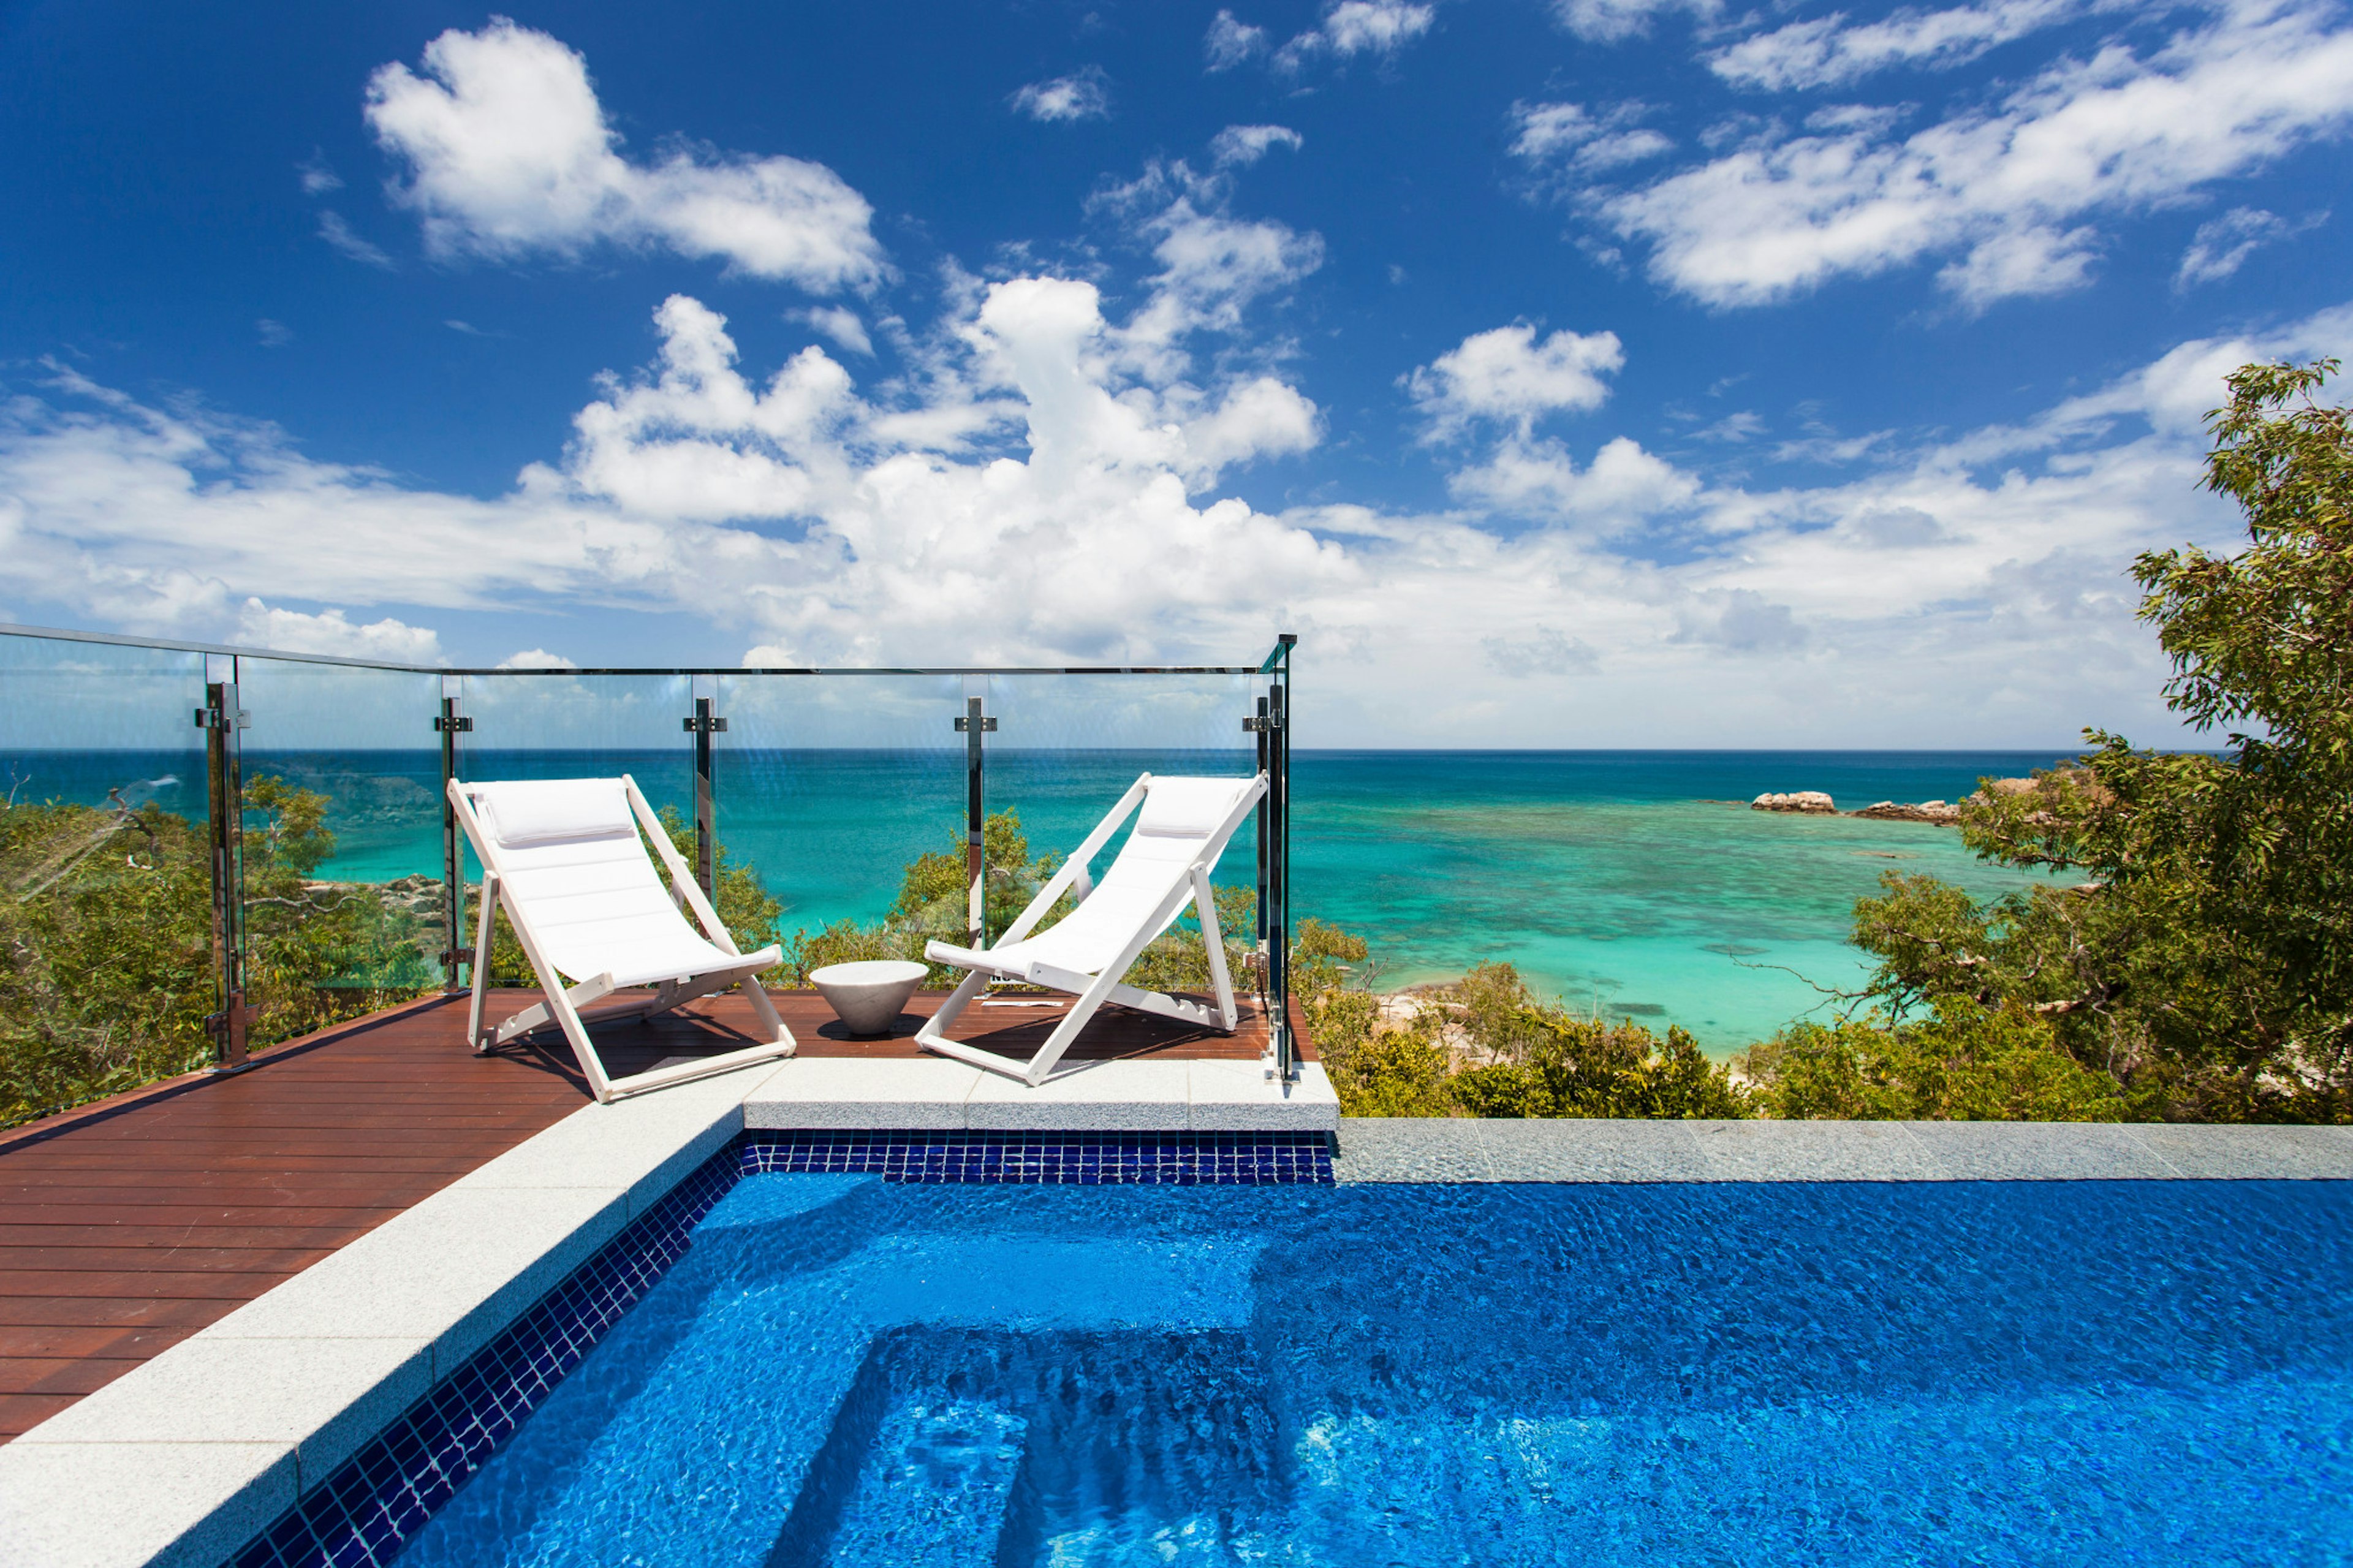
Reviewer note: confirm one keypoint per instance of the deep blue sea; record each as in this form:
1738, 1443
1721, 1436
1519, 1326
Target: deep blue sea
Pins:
1635, 883
843, 1371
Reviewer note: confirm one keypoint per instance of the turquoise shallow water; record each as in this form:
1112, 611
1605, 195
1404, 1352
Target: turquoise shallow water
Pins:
1633, 882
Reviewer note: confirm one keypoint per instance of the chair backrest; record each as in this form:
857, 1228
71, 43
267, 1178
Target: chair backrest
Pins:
1182, 820
568, 855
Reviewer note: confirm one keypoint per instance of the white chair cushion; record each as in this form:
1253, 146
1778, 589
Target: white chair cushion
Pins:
1187, 808
541, 811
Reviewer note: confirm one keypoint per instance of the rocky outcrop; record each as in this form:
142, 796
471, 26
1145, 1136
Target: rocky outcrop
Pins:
1812, 802
1945, 812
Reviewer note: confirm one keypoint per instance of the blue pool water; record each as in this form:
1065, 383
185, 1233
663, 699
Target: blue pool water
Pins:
848, 1372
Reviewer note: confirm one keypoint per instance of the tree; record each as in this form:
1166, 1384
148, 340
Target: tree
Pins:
2204, 964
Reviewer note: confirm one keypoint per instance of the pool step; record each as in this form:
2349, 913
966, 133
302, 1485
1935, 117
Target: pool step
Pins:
932, 1493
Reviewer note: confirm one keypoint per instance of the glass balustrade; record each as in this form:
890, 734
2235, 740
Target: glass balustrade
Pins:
210, 851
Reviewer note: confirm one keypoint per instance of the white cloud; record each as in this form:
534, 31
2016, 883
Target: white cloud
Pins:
1608, 21
2009, 187
1967, 590
1356, 28
1571, 135
1238, 146
1083, 95
1622, 489
2222, 246
1547, 650
508, 155
839, 324
1507, 376
1214, 265
537, 658
338, 232
333, 632
317, 175
273, 334
1828, 51
1260, 418
1229, 42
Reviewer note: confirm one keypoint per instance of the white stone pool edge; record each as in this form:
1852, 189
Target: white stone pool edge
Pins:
183, 1460
1466, 1150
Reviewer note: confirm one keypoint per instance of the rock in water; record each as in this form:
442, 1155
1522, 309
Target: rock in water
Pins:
1938, 811
1812, 801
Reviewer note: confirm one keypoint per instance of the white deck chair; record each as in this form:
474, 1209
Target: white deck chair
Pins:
563, 856
1163, 865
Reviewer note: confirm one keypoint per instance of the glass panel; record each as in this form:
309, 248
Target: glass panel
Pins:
78, 720
342, 854
106, 872
829, 787
528, 725
1068, 746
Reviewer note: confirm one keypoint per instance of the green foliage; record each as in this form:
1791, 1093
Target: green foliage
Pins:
2204, 968
1962, 1062
1541, 1060
106, 926
1487, 1048
1391, 1072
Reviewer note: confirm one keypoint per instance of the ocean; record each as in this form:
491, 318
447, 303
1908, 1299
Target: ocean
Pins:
1636, 884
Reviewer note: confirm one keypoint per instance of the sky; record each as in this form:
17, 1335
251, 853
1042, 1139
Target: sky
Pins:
1564, 372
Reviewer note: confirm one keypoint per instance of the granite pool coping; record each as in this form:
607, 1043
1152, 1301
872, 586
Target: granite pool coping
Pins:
1464, 1148
183, 1460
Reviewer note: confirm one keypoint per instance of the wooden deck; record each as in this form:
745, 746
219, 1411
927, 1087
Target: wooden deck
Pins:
128, 1226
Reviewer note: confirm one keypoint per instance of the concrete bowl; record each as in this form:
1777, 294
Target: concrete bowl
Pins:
867, 997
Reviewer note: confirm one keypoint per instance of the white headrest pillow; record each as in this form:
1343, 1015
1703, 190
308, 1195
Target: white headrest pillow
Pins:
1188, 809
540, 811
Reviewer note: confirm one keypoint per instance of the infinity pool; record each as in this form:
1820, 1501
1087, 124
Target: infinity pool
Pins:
850, 1372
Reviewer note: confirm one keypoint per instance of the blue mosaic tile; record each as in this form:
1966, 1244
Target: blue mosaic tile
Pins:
364, 1513
1181, 1159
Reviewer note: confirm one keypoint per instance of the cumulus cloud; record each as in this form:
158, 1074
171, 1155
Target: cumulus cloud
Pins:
508, 155
1214, 265
1084, 94
1238, 146
1230, 42
1829, 51
1622, 489
839, 324
537, 658
1963, 590
1508, 376
2014, 188
1357, 28
333, 632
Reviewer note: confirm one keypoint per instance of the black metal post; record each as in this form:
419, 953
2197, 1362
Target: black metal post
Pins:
974, 724
702, 725
1278, 812
1265, 843
221, 719
450, 724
